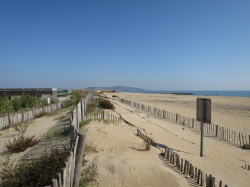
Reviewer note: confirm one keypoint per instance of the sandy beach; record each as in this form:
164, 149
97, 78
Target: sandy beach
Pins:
230, 112
120, 161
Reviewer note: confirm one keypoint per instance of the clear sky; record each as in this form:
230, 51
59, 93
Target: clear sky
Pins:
151, 44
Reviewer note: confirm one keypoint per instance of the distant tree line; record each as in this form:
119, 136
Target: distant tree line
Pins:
19, 103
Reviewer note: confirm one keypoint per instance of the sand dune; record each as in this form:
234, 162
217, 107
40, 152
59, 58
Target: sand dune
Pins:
224, 161
121, 160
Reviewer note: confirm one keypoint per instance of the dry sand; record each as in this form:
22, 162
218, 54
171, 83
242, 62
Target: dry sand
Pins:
38, 127
224, 161
230, 112
122, 161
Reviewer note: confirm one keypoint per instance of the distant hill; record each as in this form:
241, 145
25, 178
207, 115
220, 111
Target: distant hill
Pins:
118, 89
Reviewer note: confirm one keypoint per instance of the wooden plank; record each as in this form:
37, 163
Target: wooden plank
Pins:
242, 139
188, 167
239, 138
195, 175
202, 178
229, 139
245, 138
212, 182
198, 177
181, 164
207, 180
190, 170
185, 167
220, 184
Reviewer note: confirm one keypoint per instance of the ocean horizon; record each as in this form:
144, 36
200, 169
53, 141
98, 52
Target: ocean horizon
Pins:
233, 93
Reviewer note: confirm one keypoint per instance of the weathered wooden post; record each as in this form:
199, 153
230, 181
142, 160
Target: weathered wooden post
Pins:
195, 174
216, 131
79, 158
181, 164
220, 184
198, 177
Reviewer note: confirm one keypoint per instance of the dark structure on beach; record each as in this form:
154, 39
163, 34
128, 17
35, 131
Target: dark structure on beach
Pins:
43, 93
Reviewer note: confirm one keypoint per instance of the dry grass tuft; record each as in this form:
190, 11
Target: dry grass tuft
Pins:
21, 143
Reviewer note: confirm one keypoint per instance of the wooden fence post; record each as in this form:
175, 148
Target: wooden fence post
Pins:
212, 182
198, 177
239, 138
195, 174
202, 176
216, 131
79, 158
185, 166
220, 184
181, 164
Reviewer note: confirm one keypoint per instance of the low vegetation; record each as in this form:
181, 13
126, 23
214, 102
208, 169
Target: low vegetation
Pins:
41, 114
105, 104
84, 123
19, 103
246, 146
77, 95
147, 144
88, 176
36, 173
90, 148
58, 133
21, 143
22, 127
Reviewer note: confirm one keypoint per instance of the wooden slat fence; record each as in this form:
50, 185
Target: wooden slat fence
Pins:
212, 130
99, 114
7, 120
69, 176
185, 167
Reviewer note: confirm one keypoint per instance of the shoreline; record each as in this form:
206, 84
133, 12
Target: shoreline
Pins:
206, 93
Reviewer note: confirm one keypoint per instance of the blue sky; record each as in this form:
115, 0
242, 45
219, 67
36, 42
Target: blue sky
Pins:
151, 44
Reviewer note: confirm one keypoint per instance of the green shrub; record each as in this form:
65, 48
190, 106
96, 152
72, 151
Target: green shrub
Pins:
5, 105
28, 101
105, 104
36, 173
77, 95
21, 143
17, 103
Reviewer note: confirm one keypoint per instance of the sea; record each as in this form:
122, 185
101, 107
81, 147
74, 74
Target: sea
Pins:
237, 93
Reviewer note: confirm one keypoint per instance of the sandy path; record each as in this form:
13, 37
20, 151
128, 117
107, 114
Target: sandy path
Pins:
222, 160
120, 161
38, 127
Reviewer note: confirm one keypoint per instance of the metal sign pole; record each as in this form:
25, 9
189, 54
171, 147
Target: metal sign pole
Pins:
203, 114
202, 134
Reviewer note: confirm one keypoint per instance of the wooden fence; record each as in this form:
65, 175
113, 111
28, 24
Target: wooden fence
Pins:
99, 114
7, 120
69, 176
184, 166
212, 130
